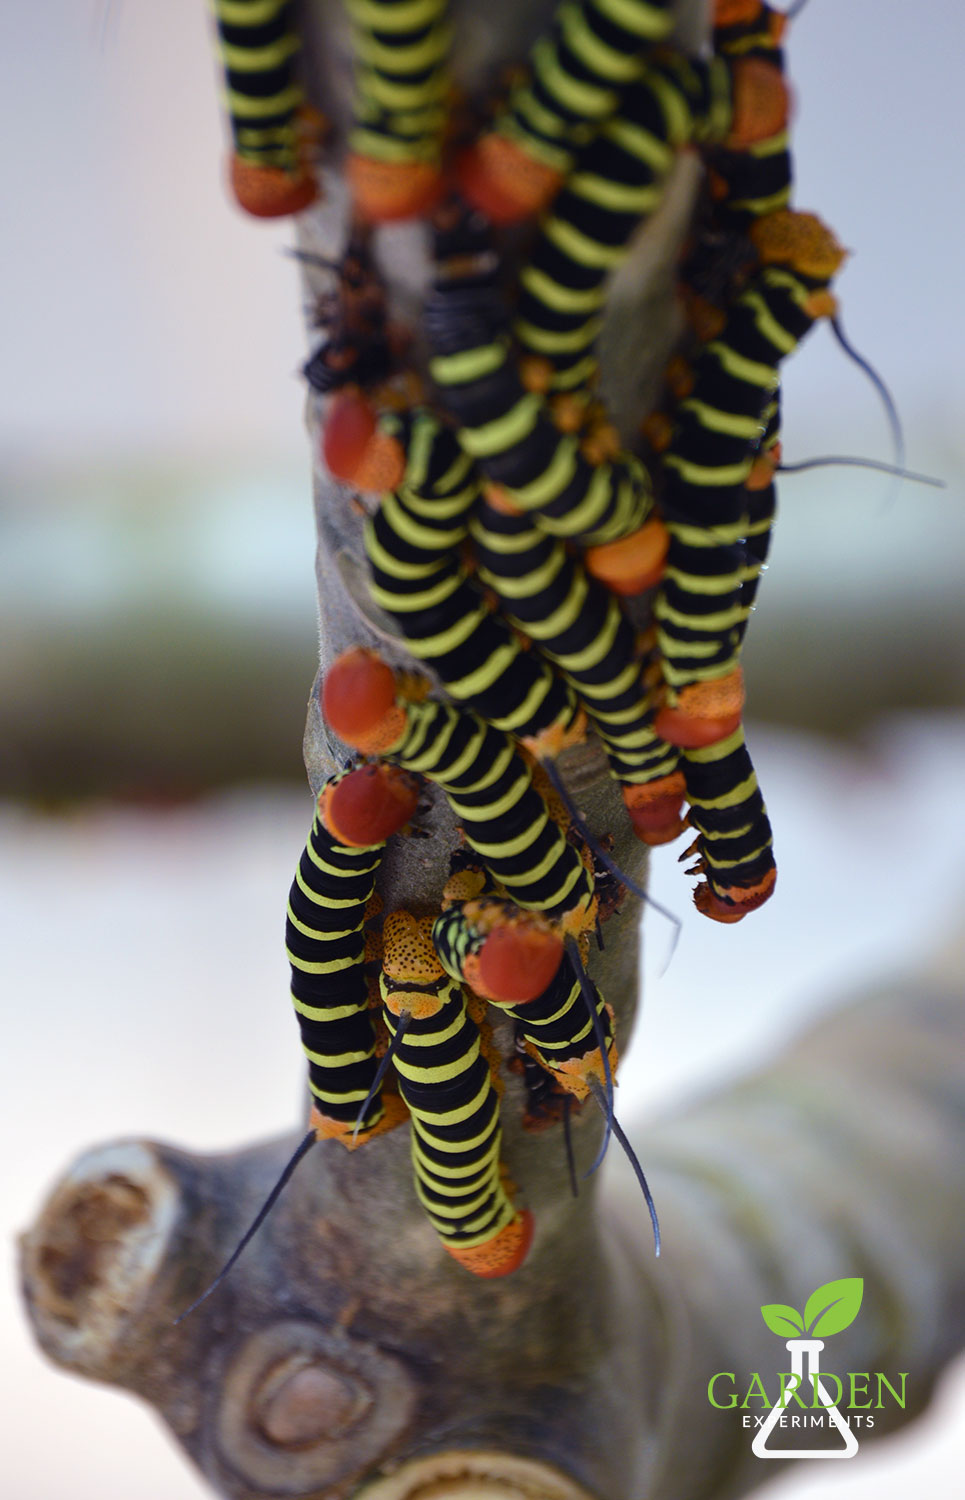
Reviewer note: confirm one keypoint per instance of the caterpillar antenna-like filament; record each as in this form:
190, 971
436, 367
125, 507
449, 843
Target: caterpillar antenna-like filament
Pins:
382, 1069
634, 1161
586, 988
834, 460
301, 1150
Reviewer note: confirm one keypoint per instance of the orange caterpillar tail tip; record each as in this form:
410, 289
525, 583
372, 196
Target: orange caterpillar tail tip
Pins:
633, 563
655, 809
516, 963
502, 180
384, 192
742, 899
501, 1255
394, 1112
369, 805
761, 103
268, 192
355, 450
357, 694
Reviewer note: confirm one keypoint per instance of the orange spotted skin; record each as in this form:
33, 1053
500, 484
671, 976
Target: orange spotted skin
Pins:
358, 696
356, 450
386, 192
761, 103
394, 1113
516, 962
656, 808
268, 192
369, 805
500, 1256
704, 713
497, 176
634, 563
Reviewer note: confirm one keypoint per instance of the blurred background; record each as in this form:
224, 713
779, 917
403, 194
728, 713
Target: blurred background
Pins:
157, 644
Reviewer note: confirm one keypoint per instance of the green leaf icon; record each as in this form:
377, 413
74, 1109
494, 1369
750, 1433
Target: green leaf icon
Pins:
833, 1306
784, 1321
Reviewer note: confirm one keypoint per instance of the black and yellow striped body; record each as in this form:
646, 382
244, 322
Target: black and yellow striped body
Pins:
419, 578
326, 949
400, 50
557, 1025
579, 626
510, 432
504, 818
617, 181
734, 842
718, 428
258, 46
578, 69
445, 1081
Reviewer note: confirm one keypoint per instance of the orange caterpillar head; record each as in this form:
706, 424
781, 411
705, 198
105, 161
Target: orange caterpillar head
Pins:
501, 1255
359, 701
519, 955
497, 176
760, 103
386, 191
354, 447
654, 808
268, 192
634, 563
704, 713
368, 805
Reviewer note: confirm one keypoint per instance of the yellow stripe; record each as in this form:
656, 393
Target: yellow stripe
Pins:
554, 340
722, 477
326, 1013
618, 197
636, 141
648, 21
750, 370
486, 675
338, 1059
581, 248
468, 364
248, 13
417, 57
413, 16
258, 59
506, 431
503, 804
606, 62
246, 107
767, 324
447, 640
715, 420
561, 298
732, 798
455, 1116
587, 100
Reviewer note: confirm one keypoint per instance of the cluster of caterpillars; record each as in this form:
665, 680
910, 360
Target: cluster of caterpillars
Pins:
509, 531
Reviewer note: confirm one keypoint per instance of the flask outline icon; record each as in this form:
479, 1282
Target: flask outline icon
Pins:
805, 1372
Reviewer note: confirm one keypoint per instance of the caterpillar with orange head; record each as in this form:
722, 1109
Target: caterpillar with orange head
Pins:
487, 784
400, 55
453, 1100
273, 131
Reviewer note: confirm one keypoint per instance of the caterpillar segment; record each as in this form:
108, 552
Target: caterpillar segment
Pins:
357, 349
617, 181
734, 844
578, 626
325, 938
420, 578
274, 133
401, 50
485, 780
577, 72
495, 949
446, 1083
706, 466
